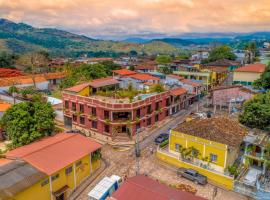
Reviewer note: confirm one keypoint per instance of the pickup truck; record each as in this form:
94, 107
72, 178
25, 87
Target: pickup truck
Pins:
192, 175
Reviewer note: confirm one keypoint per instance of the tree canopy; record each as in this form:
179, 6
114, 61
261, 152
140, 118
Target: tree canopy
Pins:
87, 72
220, 52
7, 60
264, 80
163, 59
28, 121
257, 112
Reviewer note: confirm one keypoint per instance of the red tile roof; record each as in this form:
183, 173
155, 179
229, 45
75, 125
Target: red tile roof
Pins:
148, 65
176, 77
6, 72
143, 188
51, 154
257, 68
77, 88
190, 82
101, 82
54, 75
144, 77
100, 59
178, 91
124, 72
21, 80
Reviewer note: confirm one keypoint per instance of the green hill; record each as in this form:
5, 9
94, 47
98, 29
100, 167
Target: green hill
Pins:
23, 38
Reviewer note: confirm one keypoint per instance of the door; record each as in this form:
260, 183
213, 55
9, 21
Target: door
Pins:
61, 197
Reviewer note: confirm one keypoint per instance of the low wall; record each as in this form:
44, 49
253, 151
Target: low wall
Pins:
215, 178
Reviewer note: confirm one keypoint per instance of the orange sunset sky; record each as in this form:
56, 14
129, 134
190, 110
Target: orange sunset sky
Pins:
112, 18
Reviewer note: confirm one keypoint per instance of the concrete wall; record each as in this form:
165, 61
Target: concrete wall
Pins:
246, 76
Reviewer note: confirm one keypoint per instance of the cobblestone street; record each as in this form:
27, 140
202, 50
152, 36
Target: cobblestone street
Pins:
124, 163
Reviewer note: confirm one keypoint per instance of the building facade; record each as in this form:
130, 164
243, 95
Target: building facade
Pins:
247, 74
190, 146
105, 120
49, 169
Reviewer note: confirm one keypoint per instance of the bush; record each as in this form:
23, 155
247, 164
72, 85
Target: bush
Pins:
163, 144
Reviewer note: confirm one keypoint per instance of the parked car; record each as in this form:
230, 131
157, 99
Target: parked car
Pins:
161, 138
192, 175
73, 131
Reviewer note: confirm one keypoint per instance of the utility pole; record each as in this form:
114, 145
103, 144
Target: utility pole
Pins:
137, 152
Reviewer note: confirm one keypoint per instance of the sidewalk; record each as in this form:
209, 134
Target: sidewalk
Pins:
76, 193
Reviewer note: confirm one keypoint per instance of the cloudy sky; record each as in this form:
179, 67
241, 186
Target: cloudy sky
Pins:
123, 18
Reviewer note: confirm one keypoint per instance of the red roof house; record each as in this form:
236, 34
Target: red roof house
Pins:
144, 77
143, 188
123, 72
178, 91
52, 154
257, 68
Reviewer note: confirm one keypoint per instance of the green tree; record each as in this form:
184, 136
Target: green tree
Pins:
7, 60
157, 88
165, 70
257, 112
13, 90
163, 59
252, 46
33, 63
28, 121
220, 52
264, 80
87, 72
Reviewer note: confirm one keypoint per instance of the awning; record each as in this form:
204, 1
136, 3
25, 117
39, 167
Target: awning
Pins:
61, 191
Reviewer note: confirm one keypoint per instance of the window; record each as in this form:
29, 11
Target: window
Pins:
149, 121
178, 147
168, 102
68, 170
106, 128
73, 106
43, 183
81, 108
74, 118
138, 126
106, 114
213, 157
94, 124
94, 111
157, 105
167, 113
138, 113
56, 176
82, 120
156, 118
149, 110
78, 163
66, 104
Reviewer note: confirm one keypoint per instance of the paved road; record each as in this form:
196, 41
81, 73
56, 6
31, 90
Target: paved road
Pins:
120, 162
177, 119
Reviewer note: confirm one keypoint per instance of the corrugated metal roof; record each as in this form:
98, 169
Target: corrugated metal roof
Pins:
51, 154
16, 176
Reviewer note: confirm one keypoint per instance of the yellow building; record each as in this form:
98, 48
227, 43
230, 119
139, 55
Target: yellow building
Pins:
49, 169
208, 146
247, 74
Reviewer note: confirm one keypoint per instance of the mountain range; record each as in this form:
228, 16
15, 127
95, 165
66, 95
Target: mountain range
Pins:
23, 38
